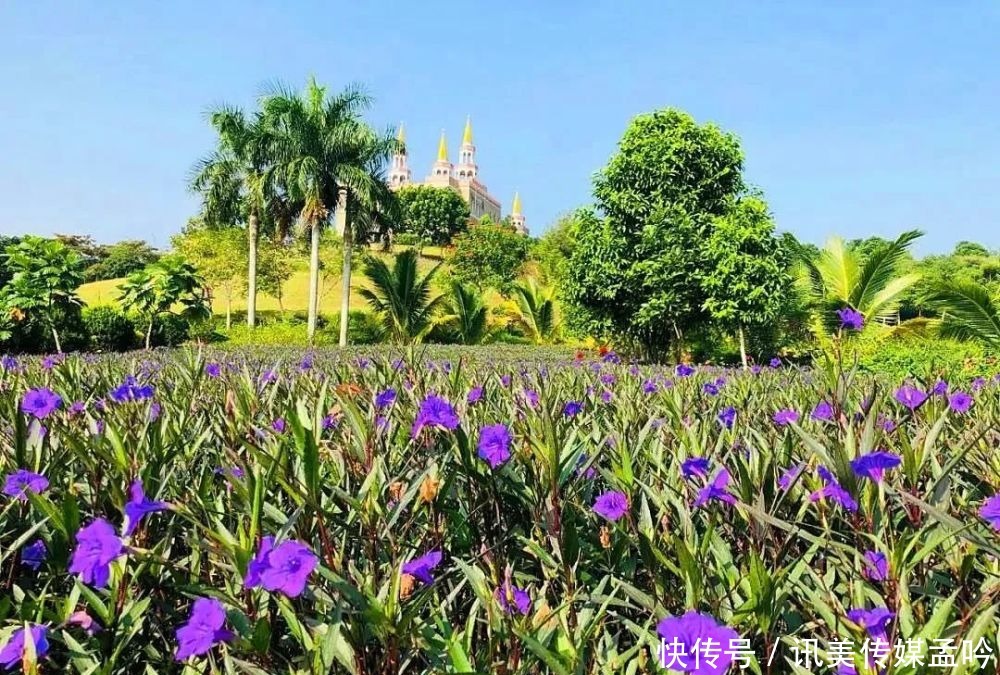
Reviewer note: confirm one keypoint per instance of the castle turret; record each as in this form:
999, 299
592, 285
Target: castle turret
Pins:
516, 217
399, 173
442, 167
467, 169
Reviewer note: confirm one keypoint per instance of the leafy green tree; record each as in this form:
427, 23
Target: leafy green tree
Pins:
120, 259
554, 250
432, 213
489, 255
5, 272
635, 271
968, 311
971, 248
403, 299
331, 161
874, 286
466, 317
220, 257
533, 310
45, 274
745, 278
274, 268
158, 288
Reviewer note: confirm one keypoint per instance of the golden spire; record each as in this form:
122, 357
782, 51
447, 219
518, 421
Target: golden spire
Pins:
467, 136
516, 210
401, 136
442, 149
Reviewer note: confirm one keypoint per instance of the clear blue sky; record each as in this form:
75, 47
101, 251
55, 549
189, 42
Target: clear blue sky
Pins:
856, 117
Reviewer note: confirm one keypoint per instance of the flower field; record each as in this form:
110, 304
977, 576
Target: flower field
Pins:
492, 512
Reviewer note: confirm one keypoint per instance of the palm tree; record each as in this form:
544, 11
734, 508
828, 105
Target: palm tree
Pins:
840, 277
534, 311
968, 311
402, 299
331, 161
466, 317
237, 183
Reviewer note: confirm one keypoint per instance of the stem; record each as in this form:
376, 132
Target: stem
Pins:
251, 274
313, 281
345, 298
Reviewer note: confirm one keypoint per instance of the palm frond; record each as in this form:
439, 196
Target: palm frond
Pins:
967, 312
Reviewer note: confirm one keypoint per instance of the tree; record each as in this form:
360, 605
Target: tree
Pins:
274, 268
156, 289
238, 184
219, 256
432, 213
328, 158
554, 249
400, 297
489, 255
968, 311
466, 317
971, 248
533, 310
45, 274
840, 278
635, 270
745, 277
120, 259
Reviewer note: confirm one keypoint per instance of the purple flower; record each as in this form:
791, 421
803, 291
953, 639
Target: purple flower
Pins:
435, 412
689, 642
851, 318
874, 465
213, 369
876, 566
940, 388
22, 481
76, 408
474, 396
875, 622
684, 370
284, 568
513, 599
695, 467
572, 408
421, 568
279, 425
775, 362
84, 621
727, 417
960, 402
385, 398
790, 475
717, 490
494, 444
833, 491
910, 396
97, 546
611, 505
8, 363
531, 397
34, 554
710, 389
978, 383
130, 390
14, 651
887, 424
990, 511
823, 412
203, 630
40, 402
785, 417
138, 506
649, 387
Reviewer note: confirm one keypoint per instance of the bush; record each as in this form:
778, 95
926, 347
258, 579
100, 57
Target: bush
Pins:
170, 330
926, 357
32, 336
109, 329
363, 328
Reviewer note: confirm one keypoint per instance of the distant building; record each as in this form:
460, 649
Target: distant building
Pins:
463, 178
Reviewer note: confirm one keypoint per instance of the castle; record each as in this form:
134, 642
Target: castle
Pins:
463, 178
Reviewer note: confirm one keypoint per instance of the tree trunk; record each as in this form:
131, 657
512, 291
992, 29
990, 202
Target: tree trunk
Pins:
313, 280
345, 299
149, 334
55, 338
743, 347
229, 311
251, 274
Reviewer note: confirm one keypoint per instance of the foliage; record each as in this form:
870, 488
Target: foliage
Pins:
274, 269
219, 256
365, 329
554, 250
968, 311
923, 355
120, 259
533, 312
489, 255
433, 214
45, 274
156, 290
403, 300
108, 329
465, 319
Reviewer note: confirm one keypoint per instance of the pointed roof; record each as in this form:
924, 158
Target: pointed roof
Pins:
516, 209
467, 136
442, 149
401, 136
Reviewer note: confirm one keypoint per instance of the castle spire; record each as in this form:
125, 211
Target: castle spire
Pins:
467, 169
399, 173
401, 135
442, 148
516, 216
467, 135
516, 208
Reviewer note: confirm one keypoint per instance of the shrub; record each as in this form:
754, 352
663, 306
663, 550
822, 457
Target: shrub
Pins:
923, 356
109, 329
170, 330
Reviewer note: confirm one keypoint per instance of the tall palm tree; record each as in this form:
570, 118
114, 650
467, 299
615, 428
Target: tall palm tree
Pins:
968, 311
331, 161
402, 298
840, 277
237, 183
466, 317
534, 311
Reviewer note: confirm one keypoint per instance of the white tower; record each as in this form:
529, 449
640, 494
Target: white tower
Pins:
516, 217
466, 168
399, 173
442, 168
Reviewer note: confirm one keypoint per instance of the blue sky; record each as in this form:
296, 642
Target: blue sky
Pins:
856, 118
